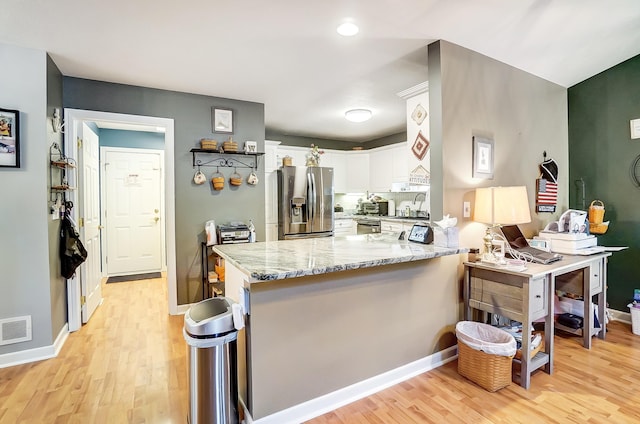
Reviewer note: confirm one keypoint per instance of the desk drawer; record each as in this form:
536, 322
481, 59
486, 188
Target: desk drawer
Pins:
507, 299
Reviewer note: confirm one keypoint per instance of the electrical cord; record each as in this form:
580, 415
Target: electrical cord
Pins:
521, 256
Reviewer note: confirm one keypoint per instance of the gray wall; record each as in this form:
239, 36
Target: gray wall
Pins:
26, 280
294, 140
525, 115
194, 204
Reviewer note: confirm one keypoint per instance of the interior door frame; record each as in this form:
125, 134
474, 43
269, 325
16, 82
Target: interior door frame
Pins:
74, 116
103, 201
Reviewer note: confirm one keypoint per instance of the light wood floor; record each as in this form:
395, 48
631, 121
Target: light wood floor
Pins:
128, 365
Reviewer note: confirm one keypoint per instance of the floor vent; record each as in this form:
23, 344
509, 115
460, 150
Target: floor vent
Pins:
15, 330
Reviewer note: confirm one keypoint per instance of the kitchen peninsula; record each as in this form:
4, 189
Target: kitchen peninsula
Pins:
331, 319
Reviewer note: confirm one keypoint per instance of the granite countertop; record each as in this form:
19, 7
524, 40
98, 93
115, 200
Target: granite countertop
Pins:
276, 260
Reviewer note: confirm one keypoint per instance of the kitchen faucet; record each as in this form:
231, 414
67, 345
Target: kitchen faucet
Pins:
424, 195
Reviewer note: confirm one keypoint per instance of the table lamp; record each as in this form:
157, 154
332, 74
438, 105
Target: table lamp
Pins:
496, 206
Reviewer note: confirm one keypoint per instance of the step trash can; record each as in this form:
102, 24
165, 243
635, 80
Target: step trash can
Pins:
485, 354
211, 332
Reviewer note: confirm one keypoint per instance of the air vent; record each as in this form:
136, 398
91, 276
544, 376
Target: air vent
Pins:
15, 330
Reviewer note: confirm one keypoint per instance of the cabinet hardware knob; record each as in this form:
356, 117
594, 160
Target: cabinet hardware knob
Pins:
538, 296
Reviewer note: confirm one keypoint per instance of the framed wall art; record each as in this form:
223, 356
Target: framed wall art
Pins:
222, 120
9, 138
483, 155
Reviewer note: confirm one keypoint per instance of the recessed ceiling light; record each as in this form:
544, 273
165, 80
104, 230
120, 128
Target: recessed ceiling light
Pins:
358, 115
348, 29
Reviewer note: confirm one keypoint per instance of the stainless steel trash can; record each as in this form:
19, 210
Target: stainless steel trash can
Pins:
211, 330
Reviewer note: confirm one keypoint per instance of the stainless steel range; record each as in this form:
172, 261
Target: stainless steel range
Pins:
368, 225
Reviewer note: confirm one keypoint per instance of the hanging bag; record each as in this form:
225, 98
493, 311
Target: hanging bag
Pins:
72, 252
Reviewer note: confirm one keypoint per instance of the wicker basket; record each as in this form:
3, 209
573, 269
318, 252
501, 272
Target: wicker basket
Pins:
207, 144
596, 212
491, 372
598, 228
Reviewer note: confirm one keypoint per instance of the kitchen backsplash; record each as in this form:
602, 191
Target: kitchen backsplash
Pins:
415, 201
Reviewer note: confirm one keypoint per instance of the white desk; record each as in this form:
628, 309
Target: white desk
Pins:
528, 295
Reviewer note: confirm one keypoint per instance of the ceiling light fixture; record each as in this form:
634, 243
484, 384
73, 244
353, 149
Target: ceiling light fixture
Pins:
348, 29
358, 115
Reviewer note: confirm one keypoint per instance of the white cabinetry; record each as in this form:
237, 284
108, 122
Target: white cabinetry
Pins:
380, 172
357, 172
390, 227
345, 227
339, 165
399, 163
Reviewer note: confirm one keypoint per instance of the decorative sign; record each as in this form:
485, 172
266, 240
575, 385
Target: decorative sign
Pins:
546, 195
419, 114
419, 176
420, 146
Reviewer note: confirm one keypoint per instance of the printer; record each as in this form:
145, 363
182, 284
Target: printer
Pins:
233, 233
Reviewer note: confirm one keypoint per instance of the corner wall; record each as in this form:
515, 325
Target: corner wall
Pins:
525, 115
25, 276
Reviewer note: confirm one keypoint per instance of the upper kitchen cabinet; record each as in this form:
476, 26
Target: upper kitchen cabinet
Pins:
338, 161
388, 165
357, 172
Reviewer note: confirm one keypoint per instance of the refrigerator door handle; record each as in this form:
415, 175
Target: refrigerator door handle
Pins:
311, 203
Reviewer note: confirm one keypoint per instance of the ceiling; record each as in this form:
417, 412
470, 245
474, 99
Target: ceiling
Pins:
287, 54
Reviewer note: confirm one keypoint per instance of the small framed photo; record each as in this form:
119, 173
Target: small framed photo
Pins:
222, 120
482, 158
9, 138
250, 146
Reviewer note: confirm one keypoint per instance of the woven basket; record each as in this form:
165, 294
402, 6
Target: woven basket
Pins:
598, 228
596, 212
207, 144
491, 372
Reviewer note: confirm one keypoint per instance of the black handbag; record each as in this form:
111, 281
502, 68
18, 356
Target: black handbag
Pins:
570, 320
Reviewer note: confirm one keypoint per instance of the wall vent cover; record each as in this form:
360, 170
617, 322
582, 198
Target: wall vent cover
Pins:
15, 330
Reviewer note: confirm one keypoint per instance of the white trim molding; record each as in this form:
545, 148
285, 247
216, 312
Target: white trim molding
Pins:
37, 354
331, 401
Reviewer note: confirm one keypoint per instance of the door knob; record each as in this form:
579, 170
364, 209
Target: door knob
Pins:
156, 219
156, 210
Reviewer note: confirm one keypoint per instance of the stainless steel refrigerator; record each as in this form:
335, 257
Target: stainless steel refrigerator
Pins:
305, 202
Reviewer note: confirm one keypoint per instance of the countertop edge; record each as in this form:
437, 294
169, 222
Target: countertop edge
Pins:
272, 276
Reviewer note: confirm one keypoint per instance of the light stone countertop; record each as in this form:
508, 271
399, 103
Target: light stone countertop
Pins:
276, 260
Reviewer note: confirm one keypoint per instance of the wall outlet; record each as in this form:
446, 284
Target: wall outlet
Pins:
466, 210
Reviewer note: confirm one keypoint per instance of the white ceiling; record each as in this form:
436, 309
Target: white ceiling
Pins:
287, 54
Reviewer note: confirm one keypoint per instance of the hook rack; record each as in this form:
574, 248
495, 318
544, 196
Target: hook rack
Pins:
226, 159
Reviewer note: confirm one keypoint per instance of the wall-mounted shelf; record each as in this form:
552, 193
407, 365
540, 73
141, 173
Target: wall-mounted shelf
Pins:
226, 159
59, 167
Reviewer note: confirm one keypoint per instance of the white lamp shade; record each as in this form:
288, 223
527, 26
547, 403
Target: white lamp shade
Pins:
502, 205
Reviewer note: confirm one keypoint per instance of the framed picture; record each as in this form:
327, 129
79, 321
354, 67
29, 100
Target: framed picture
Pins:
9, 138
251, 146
222, 120
482, 158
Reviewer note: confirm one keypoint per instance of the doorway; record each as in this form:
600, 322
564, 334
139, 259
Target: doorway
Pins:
132, 211
74, 119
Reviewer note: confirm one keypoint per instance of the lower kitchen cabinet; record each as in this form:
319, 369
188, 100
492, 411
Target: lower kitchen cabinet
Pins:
345, 227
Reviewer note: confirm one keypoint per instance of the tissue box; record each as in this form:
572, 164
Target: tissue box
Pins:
445, 237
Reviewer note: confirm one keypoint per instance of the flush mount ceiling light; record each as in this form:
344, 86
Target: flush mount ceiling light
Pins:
358, 115
348, 29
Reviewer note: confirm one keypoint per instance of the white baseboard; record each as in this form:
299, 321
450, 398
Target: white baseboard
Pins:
620, 316
37, 354
182, 309
331, 401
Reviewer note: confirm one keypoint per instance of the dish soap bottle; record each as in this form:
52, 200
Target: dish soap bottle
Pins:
252, 232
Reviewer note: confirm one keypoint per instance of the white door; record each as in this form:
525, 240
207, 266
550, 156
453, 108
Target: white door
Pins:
133, 211
90, 280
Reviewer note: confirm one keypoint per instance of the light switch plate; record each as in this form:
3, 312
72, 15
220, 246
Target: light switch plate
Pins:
635, 128
466, 210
